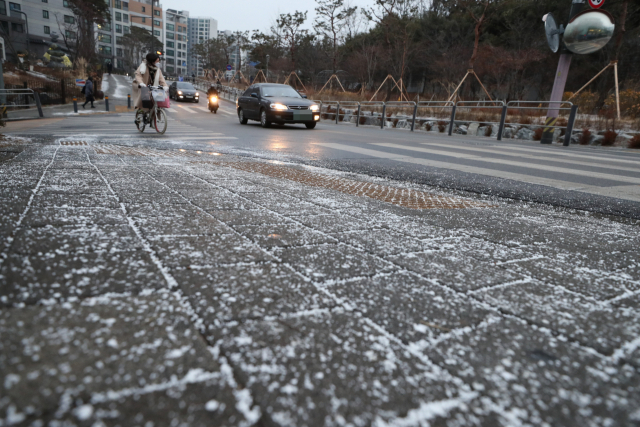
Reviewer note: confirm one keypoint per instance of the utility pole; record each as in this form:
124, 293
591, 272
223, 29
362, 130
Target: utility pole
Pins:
267, 76
560, 81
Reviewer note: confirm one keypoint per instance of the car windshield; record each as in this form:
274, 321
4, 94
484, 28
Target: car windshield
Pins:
279, 91
185, 86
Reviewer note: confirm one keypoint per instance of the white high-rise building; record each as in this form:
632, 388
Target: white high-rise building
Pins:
176, 42
200, 29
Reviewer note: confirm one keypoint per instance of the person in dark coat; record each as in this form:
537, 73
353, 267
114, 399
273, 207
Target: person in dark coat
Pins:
88, 93
109, 67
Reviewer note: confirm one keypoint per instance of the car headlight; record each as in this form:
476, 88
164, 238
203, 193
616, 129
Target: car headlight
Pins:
279, 107
179, 92
314, 108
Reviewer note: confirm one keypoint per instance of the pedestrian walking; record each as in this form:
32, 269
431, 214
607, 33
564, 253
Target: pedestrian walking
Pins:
109, 67
88, 93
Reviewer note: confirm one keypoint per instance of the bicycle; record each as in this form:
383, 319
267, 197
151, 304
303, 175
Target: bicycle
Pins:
156, 115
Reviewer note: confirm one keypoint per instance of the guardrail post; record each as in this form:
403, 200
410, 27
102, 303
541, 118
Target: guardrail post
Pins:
572, 120
383, 119
358, 117
129, 101
75, 105
337, 112
415, 112
106, 102
453, 119
36, 95
503, 118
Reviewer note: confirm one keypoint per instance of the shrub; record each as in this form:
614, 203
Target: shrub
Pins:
442, 125
609, 138
363, 120
634, 142
427, 126
585, 137
537, 134
395, 122
488, 130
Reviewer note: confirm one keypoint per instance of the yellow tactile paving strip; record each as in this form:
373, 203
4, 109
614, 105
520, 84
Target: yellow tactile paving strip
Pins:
404, 197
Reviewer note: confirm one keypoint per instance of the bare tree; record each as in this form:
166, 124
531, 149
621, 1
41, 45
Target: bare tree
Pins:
290, 25
332, 16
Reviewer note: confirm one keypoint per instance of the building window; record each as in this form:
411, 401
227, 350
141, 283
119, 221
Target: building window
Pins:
47, 30
105, 50
125, 17
118, 4
45, 1
157, 23
170, 70
156, 33
104, 38
126, 30
125, 5
118, 16
65, 3
69, 19
118, 28
14, 6
156, 12
119, 40
144, 20
70, 35
3, 8
170, 52
45, 14
144, 9
16, 27
170, 44
171, 36
170, 61
119, 52
171, 27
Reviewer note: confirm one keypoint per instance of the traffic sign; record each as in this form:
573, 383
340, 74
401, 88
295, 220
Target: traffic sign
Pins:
229, 68
596, 4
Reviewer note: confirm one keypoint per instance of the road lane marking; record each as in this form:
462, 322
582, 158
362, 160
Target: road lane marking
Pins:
563, 185
501, 152
563, 170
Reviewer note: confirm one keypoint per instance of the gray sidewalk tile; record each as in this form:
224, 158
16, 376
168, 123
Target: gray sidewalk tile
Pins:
410, 308
595, 325
29, 279
247, 291
332, 262
207, 250
330, 369
61, 360
283, 235
524, 374
58, 216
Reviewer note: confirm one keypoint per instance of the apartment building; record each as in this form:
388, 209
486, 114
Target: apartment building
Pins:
200, 29
176, 42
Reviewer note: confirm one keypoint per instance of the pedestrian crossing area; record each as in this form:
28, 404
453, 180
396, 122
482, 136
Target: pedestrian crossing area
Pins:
122, 127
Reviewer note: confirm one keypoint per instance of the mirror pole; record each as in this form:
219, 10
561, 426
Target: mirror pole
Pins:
559, 83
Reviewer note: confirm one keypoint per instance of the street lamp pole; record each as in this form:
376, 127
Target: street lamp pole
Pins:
267, 76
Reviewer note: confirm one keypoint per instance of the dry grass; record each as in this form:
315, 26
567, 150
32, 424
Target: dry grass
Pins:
585, 137
634, 142
537, 134
442, 125
609, 138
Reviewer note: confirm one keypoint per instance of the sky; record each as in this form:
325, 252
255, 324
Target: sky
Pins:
248, 15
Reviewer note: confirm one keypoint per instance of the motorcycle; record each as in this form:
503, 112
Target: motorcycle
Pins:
213, 104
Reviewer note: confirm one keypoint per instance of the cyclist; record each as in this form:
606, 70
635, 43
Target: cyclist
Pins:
148, 73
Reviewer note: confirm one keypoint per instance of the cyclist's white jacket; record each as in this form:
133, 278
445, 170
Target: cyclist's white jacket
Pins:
142, 77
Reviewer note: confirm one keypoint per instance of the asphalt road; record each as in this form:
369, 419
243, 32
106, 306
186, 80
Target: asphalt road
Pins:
587, 178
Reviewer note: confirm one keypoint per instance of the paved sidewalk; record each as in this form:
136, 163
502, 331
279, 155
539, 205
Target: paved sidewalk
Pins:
144, 287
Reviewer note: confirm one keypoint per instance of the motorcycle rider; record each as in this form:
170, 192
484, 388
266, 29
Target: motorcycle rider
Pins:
212, 91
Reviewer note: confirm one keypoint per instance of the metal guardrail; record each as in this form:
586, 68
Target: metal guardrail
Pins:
21, 93
573, 112
478, 104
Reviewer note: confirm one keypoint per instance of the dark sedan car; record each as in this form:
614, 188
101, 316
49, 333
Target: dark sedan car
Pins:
183, 91
275, 103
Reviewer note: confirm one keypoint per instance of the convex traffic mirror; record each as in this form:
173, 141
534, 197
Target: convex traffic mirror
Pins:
588, 31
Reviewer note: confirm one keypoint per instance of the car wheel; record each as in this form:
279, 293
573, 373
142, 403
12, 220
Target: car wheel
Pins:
241, 117
263, 119
310, 125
